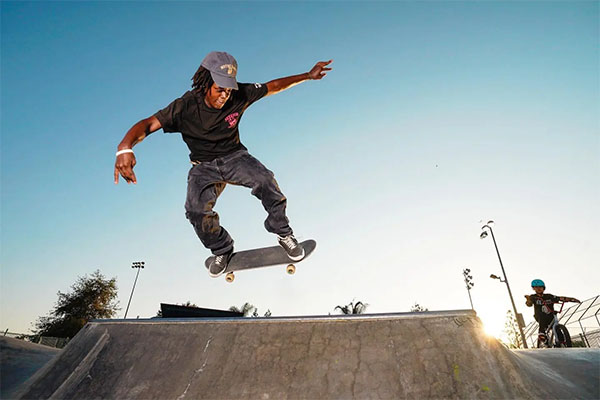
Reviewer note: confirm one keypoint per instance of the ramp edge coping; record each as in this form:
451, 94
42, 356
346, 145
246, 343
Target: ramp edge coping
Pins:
315, 318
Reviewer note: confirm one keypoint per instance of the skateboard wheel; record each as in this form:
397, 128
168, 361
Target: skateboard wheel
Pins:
291, 269
229, 277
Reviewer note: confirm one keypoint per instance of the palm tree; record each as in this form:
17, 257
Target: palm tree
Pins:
247, 309
352, 308
418, 308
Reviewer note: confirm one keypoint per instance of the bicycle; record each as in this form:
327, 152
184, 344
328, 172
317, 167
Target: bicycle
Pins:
556, 335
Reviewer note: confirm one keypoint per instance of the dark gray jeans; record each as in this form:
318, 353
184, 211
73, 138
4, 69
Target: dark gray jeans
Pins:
207, 180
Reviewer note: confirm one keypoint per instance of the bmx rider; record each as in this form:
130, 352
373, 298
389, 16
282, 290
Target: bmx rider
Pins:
543, 306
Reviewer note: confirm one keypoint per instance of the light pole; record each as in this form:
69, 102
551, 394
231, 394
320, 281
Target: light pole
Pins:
469, 283
519, 317
139, 265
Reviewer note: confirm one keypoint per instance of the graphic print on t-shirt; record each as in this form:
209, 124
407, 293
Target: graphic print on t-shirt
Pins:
232, 119
543, 304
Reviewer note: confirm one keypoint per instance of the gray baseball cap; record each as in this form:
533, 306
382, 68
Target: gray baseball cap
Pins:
222, 67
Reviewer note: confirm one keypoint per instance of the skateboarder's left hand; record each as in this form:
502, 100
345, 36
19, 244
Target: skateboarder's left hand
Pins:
318, 71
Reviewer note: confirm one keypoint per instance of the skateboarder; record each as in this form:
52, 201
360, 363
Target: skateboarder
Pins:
207, 118
543, 306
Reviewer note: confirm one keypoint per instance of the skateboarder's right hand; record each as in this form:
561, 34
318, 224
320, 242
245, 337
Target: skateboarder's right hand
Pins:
124, 166
125, 158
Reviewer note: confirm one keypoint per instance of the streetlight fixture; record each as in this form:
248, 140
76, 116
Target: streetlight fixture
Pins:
469, 283
488, 227
139, 265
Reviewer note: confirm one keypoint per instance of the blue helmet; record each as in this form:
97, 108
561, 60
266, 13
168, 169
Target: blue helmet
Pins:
538, 282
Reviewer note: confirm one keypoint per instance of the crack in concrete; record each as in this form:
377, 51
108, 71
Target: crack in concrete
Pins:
197, 371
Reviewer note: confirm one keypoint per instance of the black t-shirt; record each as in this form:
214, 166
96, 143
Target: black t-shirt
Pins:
543, 304
209, 132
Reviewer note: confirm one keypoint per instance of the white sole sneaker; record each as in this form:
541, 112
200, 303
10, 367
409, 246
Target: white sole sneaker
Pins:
217, 274
214, 275
298, 258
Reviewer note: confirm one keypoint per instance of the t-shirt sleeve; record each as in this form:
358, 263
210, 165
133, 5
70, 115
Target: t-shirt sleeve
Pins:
253, 91
170, 116
554, 299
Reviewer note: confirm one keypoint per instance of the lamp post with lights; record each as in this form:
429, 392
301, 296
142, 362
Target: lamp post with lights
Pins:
469, 283
139, 265
488, 227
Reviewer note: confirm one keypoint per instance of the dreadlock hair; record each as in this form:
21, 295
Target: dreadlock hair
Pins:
202, 80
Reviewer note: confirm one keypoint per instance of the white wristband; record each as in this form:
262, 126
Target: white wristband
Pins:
124, 151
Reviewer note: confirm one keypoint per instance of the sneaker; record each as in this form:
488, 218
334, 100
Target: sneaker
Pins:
219, 265
289, 243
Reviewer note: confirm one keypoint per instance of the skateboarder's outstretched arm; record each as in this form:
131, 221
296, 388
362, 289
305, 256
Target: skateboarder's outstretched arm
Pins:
281, 84
126, 160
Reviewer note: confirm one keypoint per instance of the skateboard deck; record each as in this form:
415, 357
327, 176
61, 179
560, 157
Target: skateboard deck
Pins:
263, 257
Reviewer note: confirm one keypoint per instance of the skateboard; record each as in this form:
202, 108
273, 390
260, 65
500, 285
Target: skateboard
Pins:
263, 257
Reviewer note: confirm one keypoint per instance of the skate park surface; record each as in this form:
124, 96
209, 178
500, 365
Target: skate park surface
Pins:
426, 355
19, 360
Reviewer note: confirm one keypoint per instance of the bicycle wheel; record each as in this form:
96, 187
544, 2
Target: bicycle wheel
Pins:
564, 336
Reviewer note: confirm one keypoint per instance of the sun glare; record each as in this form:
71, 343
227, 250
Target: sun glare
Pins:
493, 326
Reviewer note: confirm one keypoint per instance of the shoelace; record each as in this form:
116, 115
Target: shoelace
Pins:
289, 241
220, 259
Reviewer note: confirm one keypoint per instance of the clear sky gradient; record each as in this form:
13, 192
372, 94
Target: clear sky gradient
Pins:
437, 116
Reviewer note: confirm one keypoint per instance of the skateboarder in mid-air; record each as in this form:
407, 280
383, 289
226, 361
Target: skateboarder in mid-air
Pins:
543, 306
208, 117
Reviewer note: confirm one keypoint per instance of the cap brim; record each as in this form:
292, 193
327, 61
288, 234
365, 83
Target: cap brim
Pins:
224, 81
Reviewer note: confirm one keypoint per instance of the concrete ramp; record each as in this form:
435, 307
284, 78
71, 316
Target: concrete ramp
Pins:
566, 373
19, 360
410, 355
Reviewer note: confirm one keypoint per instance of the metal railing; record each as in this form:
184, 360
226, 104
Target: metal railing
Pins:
57, 342
582, 321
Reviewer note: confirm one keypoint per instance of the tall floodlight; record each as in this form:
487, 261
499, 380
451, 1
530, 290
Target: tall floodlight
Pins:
488, 227
469, 283
139, 265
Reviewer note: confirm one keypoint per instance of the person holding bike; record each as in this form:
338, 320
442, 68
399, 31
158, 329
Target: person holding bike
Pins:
543, 304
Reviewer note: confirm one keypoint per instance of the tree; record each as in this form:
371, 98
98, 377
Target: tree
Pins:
352, 308
418, 308
511, 328
90, 298
246, 309
249, 310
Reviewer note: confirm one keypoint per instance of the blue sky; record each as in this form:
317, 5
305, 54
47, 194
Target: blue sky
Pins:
436, 116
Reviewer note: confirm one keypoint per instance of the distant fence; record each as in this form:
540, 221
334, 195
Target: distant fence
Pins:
581, 320
59, 343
